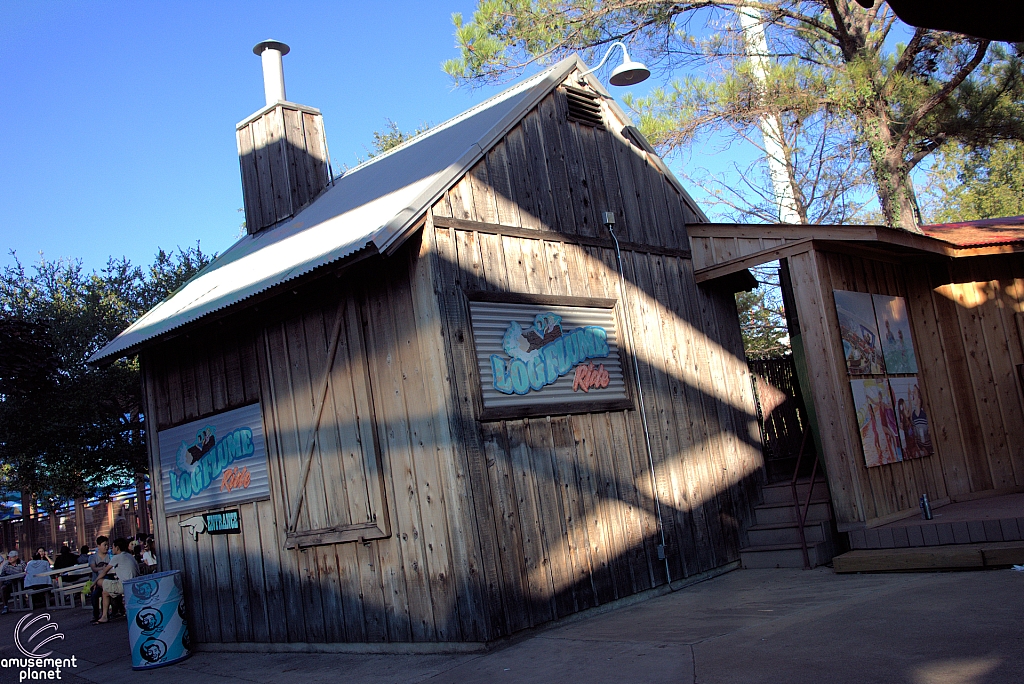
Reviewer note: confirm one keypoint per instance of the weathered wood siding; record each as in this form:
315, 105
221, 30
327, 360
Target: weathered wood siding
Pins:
964, 316
417, 584
495, 526
569, 499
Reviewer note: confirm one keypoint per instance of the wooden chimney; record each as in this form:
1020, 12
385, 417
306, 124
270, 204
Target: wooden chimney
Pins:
282, 150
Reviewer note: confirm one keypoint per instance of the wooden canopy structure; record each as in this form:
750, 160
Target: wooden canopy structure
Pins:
963, 285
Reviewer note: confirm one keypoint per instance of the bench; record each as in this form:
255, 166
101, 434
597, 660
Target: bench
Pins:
65, 595
23, 598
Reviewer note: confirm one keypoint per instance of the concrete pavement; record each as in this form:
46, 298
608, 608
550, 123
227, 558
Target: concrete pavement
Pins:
758, 626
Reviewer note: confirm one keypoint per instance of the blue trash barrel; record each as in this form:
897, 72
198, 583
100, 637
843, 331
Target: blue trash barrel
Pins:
157, 629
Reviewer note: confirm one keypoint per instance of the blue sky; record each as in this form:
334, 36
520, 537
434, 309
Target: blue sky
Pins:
118, 119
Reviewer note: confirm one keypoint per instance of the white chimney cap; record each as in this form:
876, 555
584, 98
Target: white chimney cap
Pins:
271, 45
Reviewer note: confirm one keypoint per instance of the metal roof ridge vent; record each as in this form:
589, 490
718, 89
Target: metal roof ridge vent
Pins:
282, 150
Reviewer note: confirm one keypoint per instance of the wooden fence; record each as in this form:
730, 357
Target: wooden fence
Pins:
113, 517
780, 413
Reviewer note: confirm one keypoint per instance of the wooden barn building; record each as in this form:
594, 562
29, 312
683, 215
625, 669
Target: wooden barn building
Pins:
420, 404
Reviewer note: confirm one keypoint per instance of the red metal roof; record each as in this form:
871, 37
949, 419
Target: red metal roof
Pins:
985, 232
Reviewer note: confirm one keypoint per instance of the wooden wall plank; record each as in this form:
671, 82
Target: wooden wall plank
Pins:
538, 565
598, 523
933, 372
459, 363
498, 162
432, 504
283, 450
524, 186
533, 144
566, 477
979, 476
551, 516
816, 319
513, 563
393, 423
463, 533
251, 558
697, 497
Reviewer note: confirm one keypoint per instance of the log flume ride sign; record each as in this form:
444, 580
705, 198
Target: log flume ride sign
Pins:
539, 355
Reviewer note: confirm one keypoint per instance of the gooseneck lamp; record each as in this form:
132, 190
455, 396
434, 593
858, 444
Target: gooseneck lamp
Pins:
627, 73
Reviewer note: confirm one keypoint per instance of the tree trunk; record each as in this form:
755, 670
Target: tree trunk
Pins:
896, 195
780, 168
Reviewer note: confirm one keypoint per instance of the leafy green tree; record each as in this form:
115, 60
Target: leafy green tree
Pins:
68, 429
762, 318
975, 184
836, 69
392, 136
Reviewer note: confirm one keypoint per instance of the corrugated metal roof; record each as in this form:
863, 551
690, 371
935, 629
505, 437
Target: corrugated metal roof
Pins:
983, 232
373, 206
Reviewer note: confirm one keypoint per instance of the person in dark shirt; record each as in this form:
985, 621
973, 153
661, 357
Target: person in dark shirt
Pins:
97, 562
64, 559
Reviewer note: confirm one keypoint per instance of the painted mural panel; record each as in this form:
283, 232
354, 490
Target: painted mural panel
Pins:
876, 420
860, 333
532, 355
215, 461
915, 432
894, 334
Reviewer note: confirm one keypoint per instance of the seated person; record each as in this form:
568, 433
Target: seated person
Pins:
124, 566
40, 563
97, 561
149, 556
12, 565
83, 555
65, 559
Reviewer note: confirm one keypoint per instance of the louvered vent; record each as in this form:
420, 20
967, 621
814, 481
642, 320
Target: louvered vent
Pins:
584, 107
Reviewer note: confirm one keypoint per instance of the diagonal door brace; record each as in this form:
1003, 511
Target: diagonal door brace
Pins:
318, 410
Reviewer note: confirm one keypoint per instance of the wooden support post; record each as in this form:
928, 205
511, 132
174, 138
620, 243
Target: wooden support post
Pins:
26, 521
53, 528
140, 503
81, 534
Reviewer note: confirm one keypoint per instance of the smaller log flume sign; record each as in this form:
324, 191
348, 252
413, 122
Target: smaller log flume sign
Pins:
589, 377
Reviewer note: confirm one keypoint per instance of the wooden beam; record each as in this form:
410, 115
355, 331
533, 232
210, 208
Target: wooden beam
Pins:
555, 236
757, 258
881, 235
544, 300
339, 534
863, 251
951, 556
788, 231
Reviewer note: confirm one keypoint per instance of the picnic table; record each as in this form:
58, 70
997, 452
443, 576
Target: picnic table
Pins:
64, 594
64, 584
17, 581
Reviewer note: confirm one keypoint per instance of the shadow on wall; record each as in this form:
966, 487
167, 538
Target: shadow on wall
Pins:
497, 526
557, 513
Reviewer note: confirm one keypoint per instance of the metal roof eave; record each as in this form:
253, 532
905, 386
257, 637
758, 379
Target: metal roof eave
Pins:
385, 240
365, 252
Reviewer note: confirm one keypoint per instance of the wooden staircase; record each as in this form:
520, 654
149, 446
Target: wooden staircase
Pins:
774, 541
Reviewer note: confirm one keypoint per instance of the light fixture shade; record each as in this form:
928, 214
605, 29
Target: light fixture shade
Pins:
629, 73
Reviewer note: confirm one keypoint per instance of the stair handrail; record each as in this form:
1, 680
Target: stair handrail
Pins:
801, 517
